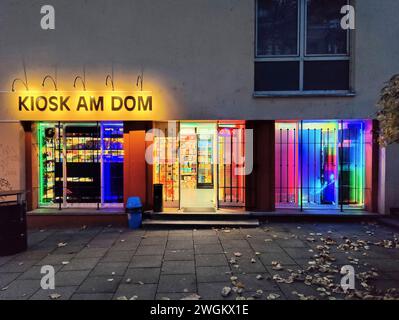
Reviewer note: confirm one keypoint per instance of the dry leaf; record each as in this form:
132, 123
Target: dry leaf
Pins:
226, 291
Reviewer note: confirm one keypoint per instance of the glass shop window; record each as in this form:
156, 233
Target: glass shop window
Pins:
320, 164
301, 47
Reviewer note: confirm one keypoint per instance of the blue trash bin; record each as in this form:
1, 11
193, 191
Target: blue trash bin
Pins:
134, 210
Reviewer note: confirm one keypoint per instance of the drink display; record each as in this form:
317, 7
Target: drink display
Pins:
166, 167
205, 161
188, 161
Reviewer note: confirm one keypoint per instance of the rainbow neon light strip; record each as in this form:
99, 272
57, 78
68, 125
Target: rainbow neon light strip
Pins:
309, 163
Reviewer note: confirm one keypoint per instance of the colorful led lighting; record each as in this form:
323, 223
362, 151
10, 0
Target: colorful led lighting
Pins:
309, 163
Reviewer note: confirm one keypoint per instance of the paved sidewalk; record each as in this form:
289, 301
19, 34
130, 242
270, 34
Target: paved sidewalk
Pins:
274, 261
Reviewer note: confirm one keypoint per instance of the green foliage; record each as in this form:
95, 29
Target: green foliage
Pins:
388, 113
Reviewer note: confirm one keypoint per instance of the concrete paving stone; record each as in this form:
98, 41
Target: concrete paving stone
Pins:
142, 291
81, 264
292, 243
137, 233
154, 261
235, 244
92, 296
101, 243
173, 296
299, 253
64, 292
207, 262
248, 267
230, 236
208, 248
178, 267
179, 244
100, 284
118, 256
177, 283
210, 260
394, 275
180, 235
7, 278
32, 254
36, 238
385, 284
253, 232
212, 291
69, 249
180, 232
70, 278
33, 273
149, 250
4, 260
246, 254
107, 268
154, 241
20, 289
204, 240
91, 253
156, 233
386, 265
280, 257
16, 266
179, 255
265, 247
55, 259
263, 296
145, 275
204, 232
124, 246
112, 230
252, 284
301, 288
285, 273
213, 274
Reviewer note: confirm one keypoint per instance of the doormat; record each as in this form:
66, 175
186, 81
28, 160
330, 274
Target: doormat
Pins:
199, 209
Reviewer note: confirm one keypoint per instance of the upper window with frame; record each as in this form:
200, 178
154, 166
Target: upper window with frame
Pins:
301, 47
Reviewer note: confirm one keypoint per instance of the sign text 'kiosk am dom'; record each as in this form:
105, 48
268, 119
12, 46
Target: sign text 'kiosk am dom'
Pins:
86, 105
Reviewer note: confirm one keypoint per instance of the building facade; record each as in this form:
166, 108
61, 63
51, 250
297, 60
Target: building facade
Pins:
248, 105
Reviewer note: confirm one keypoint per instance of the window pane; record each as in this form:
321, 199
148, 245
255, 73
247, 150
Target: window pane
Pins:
324, 32
326, 75
277, 76
277, 31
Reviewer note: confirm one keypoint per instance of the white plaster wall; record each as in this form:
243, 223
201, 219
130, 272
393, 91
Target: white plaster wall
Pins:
12, 156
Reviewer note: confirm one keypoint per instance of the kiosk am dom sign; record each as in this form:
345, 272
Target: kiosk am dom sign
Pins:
81, 105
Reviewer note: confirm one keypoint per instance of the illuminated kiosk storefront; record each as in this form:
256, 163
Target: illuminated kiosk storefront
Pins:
322, 164
94, 149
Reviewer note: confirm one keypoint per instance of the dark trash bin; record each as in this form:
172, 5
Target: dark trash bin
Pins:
134, 210
13, 228
158, 197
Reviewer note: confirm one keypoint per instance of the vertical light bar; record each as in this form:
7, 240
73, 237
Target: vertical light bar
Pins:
41, 169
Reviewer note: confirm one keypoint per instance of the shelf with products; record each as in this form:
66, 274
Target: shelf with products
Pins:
47, 144
205, 161
166, 167
188, 161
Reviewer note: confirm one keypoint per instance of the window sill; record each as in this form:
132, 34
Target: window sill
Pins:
312, 94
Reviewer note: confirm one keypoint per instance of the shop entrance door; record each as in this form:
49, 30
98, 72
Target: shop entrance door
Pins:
197, 167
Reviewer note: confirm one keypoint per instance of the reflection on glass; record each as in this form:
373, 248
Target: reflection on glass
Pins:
324, 32
277, 27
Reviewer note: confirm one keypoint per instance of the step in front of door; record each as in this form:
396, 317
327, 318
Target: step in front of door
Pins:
200, 223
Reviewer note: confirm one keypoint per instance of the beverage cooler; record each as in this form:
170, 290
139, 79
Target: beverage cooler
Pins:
204, 160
